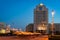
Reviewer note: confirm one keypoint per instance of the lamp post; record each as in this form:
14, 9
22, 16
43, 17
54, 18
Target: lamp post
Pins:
52, 22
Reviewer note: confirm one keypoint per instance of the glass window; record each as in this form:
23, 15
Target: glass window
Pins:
40, 8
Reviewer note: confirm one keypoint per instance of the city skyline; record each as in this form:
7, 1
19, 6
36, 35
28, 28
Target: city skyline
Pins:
20, 13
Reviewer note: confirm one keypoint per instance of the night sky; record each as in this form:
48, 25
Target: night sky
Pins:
19, 13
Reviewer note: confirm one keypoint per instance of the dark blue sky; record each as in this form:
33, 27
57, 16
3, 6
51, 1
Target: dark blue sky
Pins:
19, 13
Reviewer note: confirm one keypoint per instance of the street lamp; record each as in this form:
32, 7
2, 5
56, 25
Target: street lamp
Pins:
53, 22
53, 13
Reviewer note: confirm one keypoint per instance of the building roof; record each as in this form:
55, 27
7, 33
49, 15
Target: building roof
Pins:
41, 4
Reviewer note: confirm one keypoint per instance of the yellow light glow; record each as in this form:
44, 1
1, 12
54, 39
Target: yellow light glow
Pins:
43, 24
2, 31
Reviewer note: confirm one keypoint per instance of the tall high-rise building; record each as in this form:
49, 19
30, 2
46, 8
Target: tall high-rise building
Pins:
40, 18
41, 22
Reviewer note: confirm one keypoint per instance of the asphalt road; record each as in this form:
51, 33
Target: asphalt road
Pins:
38, 37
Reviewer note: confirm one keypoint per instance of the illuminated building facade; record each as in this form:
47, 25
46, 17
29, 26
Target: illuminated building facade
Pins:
40, 18
41, 21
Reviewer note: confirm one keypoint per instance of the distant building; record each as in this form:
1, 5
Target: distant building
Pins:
2, 31
40, 18
8, 29
4, 28
56, 28
29, 28
41, 21
2, 25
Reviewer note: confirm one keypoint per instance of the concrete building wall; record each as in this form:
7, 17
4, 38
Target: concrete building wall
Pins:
56, 26
40, 17
29, 28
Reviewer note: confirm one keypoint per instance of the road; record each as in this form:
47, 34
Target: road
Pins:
24, 37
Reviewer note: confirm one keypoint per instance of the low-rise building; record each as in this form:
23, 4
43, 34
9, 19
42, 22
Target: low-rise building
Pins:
29, 28
56, 28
